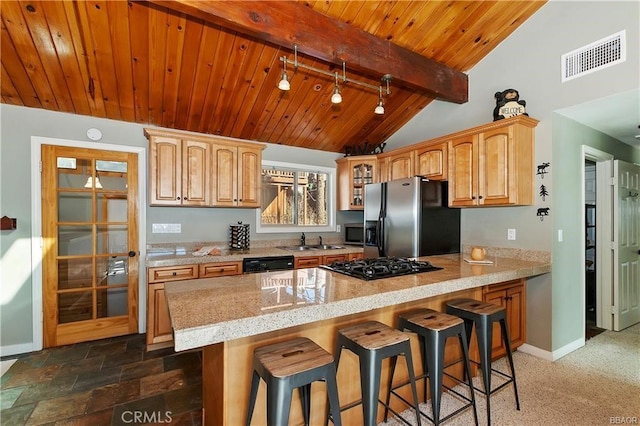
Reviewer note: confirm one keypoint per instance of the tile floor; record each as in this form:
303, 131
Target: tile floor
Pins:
106, 382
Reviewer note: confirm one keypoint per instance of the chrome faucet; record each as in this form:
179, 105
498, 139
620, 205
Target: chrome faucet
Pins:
303, 239
320, 240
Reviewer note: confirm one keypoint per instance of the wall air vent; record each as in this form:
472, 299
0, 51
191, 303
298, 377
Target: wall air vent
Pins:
595, 56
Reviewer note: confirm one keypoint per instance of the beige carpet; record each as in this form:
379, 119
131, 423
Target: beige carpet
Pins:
598, 384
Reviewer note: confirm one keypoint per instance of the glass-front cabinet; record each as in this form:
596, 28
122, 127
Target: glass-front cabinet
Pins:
353, 174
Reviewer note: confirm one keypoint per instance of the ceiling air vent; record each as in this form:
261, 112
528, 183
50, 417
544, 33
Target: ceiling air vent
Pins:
595, 56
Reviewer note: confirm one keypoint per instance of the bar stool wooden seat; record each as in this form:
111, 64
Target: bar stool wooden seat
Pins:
284, 366
373, 342
483, 315
433, 329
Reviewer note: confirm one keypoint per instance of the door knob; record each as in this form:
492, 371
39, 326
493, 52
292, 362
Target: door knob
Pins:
132, 253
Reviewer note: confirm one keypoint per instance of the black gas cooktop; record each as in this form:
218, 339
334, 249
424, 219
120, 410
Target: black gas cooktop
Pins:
381, 267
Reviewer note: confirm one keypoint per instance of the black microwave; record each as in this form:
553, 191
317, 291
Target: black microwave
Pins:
357, 234
354, 233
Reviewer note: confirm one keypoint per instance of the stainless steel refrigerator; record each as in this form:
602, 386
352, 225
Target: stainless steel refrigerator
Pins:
409, 218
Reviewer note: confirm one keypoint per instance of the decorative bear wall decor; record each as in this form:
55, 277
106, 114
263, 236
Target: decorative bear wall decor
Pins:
508, 104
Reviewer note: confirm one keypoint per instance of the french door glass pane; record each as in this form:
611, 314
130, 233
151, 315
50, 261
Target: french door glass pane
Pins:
112, 302
74, 206
74, 273
75, 240
77, 306
74, 178
112, 239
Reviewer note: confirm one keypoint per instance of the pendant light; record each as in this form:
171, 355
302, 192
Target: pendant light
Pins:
336, 98
284, 82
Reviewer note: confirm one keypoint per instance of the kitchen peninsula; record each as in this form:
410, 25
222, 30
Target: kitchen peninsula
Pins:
229, 316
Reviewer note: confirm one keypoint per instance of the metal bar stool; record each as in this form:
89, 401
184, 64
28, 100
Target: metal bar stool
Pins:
433, 329
287, 365
372, 342
483, 315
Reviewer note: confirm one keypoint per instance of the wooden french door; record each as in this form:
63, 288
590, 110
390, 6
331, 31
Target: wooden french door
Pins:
90, 244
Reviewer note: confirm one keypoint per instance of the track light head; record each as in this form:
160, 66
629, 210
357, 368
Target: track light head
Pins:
336, 98
284, 82
379, 109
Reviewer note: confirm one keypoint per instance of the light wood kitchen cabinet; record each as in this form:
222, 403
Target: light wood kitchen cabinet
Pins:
432, 161
399, 166
179, 172
219, 269
313, 261
237, 174
510, 295
492, 165
353, 174
159, 331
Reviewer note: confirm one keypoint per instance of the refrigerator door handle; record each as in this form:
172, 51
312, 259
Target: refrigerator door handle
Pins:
379, 235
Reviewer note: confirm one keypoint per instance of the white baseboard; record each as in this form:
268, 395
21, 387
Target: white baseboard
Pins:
555, 355
16, 349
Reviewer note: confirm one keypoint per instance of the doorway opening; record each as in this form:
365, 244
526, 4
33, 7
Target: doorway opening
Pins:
598, 207
591, 265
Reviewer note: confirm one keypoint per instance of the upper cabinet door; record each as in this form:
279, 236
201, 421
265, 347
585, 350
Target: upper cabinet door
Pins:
249, 176
225, 175
353, 174
497, 167
400, 166
463, 171
196, 173
431, 161
165, 171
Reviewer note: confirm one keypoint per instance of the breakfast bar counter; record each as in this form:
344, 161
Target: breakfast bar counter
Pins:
229, 316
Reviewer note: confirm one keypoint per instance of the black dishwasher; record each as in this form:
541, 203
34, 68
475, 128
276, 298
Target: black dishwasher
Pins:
252, 265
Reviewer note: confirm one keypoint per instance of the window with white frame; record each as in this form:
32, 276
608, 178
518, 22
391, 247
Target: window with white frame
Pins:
296, 198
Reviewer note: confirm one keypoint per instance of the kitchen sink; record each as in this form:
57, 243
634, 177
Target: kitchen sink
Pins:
312, 247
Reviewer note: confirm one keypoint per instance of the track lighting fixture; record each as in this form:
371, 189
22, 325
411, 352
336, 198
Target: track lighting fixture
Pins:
336, 97
284, 81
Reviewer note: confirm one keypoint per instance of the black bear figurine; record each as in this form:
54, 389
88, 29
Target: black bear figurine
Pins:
508, 104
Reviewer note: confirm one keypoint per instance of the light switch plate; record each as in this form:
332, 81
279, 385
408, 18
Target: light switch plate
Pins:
511, 234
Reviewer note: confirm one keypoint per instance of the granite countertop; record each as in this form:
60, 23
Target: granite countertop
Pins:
183, 255
212, 310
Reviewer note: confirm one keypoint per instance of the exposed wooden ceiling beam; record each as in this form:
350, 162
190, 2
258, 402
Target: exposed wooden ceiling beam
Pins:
286, 23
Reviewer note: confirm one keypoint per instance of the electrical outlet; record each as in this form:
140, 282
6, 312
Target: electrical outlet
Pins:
511, 234
338, 228
166, 228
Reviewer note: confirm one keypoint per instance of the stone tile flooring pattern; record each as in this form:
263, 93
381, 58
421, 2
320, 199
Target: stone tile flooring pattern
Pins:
106, 382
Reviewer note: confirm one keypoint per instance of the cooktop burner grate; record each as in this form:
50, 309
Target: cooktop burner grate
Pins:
381, 267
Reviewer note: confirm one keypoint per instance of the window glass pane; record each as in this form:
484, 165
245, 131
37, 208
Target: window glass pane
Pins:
66, 163
277, 197
111, 166
291, 197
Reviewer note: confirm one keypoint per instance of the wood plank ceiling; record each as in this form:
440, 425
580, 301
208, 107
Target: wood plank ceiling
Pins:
153, 64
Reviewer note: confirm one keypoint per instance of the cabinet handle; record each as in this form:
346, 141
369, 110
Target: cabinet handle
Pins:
175, 273
177, 198
480, 197
473, 197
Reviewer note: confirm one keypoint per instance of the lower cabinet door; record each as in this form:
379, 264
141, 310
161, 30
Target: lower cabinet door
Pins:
158, 321
497, 348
